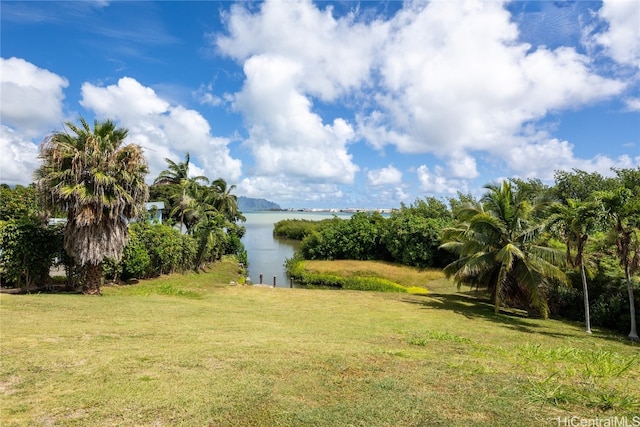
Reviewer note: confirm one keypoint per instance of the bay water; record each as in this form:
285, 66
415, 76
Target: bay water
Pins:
267, 253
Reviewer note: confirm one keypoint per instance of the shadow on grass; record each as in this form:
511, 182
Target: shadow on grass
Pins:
474, 307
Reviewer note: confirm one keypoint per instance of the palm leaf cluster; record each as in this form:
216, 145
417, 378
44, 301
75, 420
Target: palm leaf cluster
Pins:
498, 242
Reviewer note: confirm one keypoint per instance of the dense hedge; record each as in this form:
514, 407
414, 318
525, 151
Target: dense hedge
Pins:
298, 229
156, 249
410, 236
28, 249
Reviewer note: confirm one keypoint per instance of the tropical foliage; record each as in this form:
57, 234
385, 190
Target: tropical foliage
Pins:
99, 181
622, 208
499, 248
544, 249
96, 181
576, 221
571, 249
29, 247
410, 235
19, 202
208, 213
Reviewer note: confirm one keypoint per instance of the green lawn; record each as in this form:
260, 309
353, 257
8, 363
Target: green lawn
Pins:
194, 351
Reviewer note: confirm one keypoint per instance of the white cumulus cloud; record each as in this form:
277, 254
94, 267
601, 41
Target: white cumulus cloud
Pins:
31, 106
32, 97
455, 78
449, 78
285, 135
622, 38
162, 129
19, 157
437, 183
385, 176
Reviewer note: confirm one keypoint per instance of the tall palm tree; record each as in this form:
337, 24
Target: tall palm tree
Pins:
177, 172
221, 198
623, 210
99, 181
210, 236
576, 220
186, 207
497, 246
185, 189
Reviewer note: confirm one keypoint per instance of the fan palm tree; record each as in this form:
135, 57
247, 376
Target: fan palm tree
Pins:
576, 221
497, 247
99, 181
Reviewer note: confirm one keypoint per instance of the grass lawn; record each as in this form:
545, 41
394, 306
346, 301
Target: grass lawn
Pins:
192, 350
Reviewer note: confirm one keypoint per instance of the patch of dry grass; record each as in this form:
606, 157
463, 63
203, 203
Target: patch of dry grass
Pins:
401, 274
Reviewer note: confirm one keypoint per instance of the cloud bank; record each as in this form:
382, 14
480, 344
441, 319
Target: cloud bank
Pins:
450, 91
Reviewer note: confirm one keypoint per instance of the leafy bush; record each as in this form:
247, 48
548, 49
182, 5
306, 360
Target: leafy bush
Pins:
135, 259
361, 237
188, 254
236, 247
298, 229
19, 202
27, 251
168, 250
411, 236
111, 269
414, 240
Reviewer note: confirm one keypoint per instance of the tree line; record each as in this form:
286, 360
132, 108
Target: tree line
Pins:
544, 249
96, 182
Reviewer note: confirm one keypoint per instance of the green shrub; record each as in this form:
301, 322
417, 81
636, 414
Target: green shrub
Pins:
608, 299
111, 269
135, 259
298, 229
27, 251
166, 247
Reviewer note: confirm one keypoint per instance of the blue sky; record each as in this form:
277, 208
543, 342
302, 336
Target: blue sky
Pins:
332, 104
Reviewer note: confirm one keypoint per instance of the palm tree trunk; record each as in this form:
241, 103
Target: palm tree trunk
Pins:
633, 335
585, 290
94, 277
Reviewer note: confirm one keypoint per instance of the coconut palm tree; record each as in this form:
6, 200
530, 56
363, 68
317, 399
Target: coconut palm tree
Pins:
497, 246
186, 207
177, 172
185, 190
622, 207
99, 181
576, 220
210, 236
221, 198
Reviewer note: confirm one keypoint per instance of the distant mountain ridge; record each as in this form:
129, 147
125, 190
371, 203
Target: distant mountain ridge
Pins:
248, 204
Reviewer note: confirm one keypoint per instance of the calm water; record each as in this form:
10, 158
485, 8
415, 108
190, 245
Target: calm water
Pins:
267, 253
